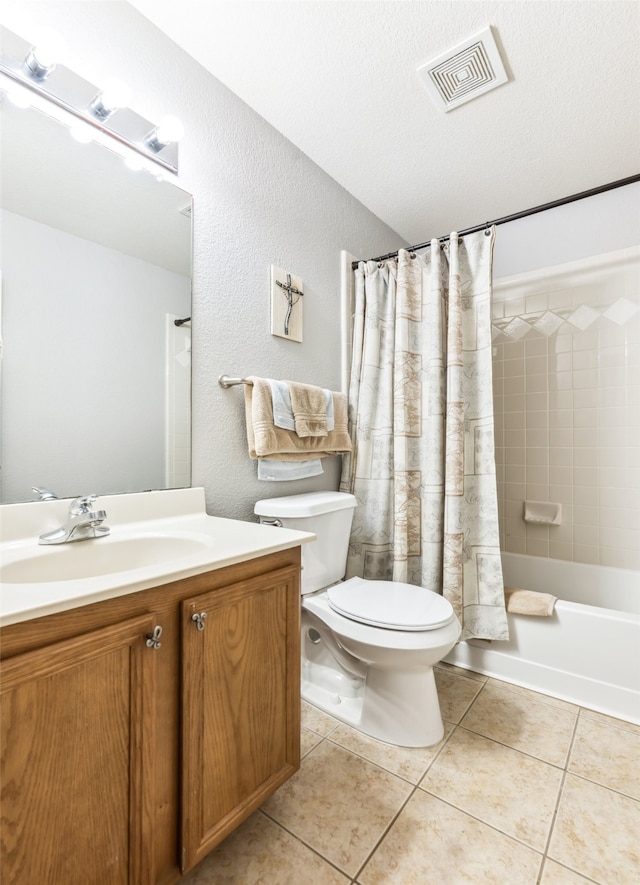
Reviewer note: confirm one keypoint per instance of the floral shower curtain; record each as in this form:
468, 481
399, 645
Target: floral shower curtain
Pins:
421, 422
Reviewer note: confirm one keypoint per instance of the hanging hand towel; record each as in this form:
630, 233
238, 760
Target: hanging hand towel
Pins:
265, 440
282, 408
281, 471
309, 409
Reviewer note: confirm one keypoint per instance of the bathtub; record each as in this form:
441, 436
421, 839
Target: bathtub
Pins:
587, 652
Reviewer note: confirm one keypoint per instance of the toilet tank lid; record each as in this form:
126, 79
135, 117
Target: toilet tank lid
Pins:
307, 504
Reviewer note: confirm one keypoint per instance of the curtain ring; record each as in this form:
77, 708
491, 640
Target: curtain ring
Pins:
412, 254
487, 230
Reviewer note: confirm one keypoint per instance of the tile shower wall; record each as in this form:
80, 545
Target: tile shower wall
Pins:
567, 408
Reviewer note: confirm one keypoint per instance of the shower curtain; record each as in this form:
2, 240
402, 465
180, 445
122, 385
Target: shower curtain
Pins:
421, 423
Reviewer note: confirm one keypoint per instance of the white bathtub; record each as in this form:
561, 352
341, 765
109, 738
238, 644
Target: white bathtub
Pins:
587, 652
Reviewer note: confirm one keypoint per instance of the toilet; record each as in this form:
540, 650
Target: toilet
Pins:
368, 647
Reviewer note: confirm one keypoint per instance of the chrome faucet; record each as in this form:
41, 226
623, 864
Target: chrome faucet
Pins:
83, 523
44, 494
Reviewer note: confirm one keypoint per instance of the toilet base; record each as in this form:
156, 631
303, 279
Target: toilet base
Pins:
399, 708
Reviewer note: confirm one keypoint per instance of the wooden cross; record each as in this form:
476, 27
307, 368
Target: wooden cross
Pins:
289, 291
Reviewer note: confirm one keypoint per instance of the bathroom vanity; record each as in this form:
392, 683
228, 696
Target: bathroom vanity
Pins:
146, 716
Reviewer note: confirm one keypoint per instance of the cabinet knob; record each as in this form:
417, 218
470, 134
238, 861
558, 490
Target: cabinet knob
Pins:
198, 619
153, 639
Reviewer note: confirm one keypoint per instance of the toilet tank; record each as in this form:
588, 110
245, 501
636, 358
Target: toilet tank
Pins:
328, 515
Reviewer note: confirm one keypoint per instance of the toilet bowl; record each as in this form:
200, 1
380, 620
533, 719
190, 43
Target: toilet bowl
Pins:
368, 647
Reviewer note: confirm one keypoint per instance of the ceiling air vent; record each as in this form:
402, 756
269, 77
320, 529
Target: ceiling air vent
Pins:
464, 72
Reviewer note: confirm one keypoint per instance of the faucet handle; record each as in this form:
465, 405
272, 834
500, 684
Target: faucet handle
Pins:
44, 494
83, 504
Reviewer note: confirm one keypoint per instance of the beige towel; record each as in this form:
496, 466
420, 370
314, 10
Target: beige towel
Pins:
309, 409
265, 440
529, 602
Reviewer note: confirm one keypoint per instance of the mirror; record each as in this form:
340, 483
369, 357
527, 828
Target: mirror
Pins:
96, 267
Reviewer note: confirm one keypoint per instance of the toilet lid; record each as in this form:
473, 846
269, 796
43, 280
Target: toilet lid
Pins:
390, 604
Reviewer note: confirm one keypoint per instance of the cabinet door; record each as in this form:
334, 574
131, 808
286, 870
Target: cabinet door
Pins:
77, 720
240, 705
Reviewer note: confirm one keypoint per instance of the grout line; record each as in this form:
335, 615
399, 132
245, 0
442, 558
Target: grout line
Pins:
379, 765
385, 832
485, 823
569, 870
555, 765
402, 807
559, 796
302, 842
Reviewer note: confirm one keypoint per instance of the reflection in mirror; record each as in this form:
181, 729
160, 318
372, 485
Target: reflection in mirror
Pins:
96, 266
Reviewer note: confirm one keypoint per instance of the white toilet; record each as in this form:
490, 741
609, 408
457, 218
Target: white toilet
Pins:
368, 647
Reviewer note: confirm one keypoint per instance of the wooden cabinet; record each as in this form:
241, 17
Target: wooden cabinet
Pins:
240, 704
77, 720
122, 763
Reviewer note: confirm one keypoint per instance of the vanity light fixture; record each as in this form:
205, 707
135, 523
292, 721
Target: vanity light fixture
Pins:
41, 59
169, 131
33, 73
114, 95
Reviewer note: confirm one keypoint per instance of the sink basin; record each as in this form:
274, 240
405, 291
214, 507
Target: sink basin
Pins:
101, 556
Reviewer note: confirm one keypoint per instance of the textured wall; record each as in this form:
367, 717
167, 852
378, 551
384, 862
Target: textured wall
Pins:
258, 201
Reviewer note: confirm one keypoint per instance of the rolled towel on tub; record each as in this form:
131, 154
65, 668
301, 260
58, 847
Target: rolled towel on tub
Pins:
529, 602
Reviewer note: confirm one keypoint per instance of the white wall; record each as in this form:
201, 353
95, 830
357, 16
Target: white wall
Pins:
82, 324
257, 201
592, 226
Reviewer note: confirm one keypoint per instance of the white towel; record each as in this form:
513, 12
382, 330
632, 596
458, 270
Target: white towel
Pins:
279, 471
331, 424
283, 411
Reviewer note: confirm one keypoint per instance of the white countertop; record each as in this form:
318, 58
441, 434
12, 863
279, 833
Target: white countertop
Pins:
157, 517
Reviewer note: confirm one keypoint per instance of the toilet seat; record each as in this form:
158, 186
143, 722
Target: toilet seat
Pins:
390, 605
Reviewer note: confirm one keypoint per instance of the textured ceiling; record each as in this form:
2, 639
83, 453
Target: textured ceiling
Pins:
339, 80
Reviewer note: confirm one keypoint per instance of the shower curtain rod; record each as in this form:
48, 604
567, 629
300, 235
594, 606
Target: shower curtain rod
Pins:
516, 215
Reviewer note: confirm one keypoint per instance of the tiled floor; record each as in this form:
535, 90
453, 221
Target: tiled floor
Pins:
523, 789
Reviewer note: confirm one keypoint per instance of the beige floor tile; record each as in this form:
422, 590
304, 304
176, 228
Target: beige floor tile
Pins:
610, 720
455, 694
460, 671
609, 756
406, 762
490, 781
554, 874
308, 740
534, 695
596, 833
316, 720
432, 843
338, 804
260, 852
522, 722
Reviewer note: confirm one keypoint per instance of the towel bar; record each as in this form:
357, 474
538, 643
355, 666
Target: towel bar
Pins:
227, 381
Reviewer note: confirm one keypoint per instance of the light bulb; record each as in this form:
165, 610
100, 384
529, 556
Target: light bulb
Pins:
115, 94
169, 130
48, 50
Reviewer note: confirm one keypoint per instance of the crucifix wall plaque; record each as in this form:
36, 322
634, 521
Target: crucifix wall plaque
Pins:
286, 304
